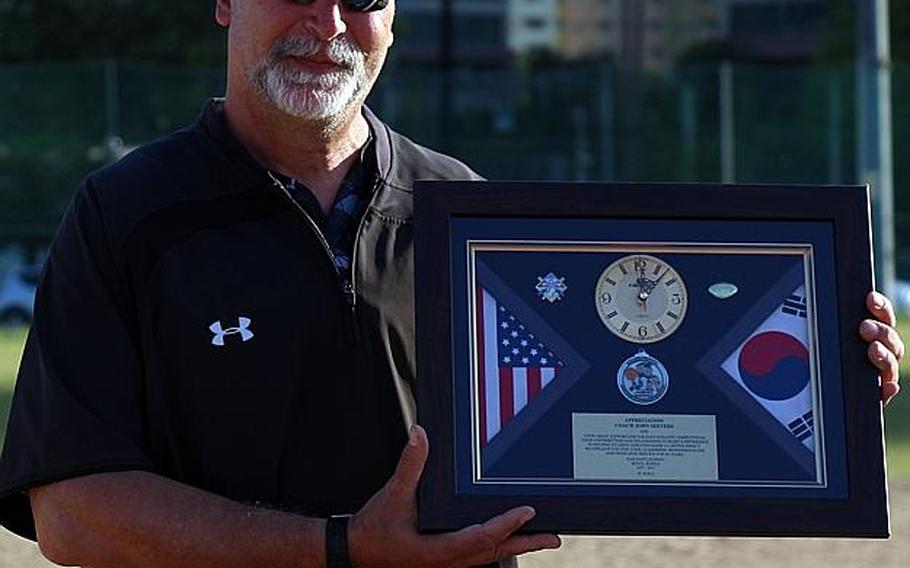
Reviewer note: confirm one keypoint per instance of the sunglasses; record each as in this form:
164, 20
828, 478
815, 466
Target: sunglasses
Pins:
356, 5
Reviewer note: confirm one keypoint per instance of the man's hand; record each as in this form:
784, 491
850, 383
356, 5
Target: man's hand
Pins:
384, 532
885, 345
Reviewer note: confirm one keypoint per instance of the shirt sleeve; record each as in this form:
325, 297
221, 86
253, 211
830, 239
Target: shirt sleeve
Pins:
77, 407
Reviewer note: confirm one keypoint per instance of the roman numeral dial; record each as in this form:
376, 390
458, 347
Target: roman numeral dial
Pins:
641, 298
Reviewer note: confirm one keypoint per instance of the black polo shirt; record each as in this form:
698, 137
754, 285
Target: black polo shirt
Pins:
190, 323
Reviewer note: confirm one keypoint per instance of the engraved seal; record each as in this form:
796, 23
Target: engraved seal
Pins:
642, 379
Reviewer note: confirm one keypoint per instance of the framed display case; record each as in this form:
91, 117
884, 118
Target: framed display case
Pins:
648, 359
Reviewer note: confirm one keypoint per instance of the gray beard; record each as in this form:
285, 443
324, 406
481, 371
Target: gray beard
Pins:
320, 97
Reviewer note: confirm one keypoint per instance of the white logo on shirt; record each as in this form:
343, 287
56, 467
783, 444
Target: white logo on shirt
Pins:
243, 328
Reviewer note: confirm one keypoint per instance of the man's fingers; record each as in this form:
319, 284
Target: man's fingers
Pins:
872, 330
885, 361
501, 527
889, 391
522, 543
886, 348
514, 546
880, 306
479, 544
410, 466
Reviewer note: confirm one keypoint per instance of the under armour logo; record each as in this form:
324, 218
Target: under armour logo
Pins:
243, 328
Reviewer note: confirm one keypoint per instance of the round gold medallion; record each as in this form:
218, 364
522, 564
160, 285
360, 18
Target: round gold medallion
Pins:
641, 298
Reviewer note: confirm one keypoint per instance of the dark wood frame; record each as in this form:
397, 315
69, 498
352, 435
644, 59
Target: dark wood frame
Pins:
864, 513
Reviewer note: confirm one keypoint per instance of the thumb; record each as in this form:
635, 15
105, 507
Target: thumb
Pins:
410, 466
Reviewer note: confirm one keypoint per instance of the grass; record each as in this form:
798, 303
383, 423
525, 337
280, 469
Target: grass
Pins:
11, 342
897, 415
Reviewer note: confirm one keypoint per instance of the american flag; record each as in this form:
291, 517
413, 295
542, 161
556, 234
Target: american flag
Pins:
514, 365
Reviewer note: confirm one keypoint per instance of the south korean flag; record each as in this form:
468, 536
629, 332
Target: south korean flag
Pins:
772, 365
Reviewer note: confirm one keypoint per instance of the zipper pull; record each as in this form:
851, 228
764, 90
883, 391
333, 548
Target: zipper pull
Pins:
348, 289
349, 293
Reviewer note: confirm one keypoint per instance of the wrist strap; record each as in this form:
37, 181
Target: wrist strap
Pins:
336, 542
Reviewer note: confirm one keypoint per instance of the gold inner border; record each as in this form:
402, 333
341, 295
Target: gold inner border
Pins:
805, 250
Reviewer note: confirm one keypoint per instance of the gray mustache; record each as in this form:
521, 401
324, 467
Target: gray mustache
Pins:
340, 51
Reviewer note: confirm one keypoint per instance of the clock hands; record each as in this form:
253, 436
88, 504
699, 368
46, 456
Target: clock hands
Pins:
646, 285
642, 281
635, 298
659, 278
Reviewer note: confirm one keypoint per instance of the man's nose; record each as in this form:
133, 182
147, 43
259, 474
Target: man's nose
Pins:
323, 19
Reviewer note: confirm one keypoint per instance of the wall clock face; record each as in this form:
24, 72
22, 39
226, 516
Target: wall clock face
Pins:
641, 298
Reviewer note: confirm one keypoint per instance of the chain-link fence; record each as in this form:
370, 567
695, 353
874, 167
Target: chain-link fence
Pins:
579, 121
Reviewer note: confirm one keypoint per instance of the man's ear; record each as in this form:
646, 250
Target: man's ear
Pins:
223, 12
391, 8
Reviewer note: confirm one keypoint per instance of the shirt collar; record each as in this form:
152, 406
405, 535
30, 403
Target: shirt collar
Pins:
213, 120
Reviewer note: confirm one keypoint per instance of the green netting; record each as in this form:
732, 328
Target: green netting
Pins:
572, 121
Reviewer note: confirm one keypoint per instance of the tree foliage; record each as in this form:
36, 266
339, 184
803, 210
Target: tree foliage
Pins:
57, 30
840, 31
58, 121
900, 30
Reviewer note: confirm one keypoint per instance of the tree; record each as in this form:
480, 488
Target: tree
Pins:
840, 37
55, 121
57, 30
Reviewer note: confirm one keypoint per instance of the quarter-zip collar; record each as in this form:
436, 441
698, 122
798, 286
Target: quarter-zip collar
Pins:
251, 173
213, 121
399, 163
383, 144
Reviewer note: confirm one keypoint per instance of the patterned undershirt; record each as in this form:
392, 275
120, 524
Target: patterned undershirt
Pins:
340, 225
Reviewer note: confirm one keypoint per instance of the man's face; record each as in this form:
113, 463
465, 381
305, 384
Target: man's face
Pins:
314, 60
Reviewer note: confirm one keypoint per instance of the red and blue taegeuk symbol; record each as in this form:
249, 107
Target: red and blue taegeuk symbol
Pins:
774, 365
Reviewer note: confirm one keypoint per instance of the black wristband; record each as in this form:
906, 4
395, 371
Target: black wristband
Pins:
336, 542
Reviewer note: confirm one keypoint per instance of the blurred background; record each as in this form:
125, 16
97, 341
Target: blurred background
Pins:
789, 91
631, 90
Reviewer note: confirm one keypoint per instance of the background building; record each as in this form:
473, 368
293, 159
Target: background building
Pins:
645, 34
640, 34
590, 28
533, 25
480, 31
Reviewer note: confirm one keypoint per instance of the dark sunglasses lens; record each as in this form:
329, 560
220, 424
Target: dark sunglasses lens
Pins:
365, 5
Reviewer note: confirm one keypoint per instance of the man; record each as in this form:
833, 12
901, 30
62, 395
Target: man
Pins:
222, 353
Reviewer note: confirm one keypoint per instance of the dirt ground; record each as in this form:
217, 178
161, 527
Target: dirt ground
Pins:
580, 552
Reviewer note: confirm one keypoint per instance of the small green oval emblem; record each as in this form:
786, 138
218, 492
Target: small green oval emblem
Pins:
723, 290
